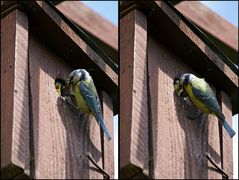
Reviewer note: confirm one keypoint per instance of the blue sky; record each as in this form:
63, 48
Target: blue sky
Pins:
107, 9
226, 9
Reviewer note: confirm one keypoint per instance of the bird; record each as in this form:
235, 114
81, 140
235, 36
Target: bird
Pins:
202, 96
86, 96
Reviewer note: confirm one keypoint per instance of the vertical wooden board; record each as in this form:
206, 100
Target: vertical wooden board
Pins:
94, 148
8, 30
214, 144
108, 146
227, 141
139, 129
14, 91
126, 86
62, 135
178, 141
133, 91
21, 95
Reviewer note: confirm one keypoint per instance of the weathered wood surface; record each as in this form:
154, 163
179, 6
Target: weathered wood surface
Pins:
78, 40
108, 146
91, 21
14, 93
208, 51
227, 141
62, 136
178, 141
70, 45
133, 94
210, 21
189, 45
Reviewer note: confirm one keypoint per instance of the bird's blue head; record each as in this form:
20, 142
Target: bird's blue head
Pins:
185, 79
77, 75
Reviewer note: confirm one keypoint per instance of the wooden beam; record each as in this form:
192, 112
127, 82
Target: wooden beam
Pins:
62, 37
108, 146
227, 156
193, 48
62, 137
210, 21
178, 142
133, 94
90, 21
14, 94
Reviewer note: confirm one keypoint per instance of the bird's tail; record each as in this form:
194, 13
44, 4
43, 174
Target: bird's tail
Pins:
104, 128
227, 127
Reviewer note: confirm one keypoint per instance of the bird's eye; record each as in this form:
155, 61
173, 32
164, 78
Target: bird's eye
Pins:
71, 78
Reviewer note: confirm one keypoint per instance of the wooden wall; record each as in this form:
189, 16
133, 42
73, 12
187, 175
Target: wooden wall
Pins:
161, 141
42, 135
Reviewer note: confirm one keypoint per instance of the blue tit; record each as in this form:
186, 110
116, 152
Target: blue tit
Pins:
203, 98
86, 96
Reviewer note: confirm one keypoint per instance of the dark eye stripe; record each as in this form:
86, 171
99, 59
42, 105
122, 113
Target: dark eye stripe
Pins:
82, 76
186, 80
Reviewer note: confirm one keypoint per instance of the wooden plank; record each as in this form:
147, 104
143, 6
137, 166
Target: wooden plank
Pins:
133, 94
178, 141
70, 45
227, 141
62, 135
203, 17
190, 45
8, 29
94, 148
199, 42
214, 146
14, 93
108, 146
90, 21
68, 31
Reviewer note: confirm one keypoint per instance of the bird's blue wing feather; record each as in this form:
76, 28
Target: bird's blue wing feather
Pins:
213, 105
92, 100
209, 100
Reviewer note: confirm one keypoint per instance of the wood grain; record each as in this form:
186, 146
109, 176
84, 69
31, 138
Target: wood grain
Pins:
178, 141
203, 17
8, 28
133, 94
214, 145
108, 146
70, 45
188, 44
126, 81
90, 21
227, 156
214, 57
14, 92
78, 40
62, 135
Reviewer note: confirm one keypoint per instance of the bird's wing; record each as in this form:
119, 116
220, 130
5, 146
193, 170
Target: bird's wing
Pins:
91, 98
208, 100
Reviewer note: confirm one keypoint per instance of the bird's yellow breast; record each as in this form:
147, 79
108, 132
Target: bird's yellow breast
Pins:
195, 101
80, 100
